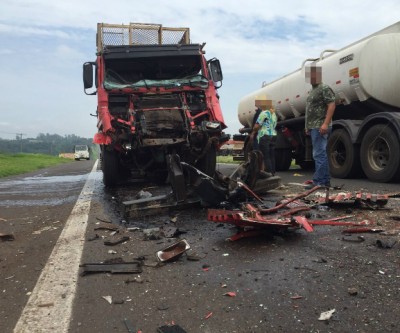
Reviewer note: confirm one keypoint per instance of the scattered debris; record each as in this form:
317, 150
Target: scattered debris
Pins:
117, 241
7, 237
362, 230
208, 315
108, 299
112, 252
173, 251
352, 291
103, 220
230, 294
385, 244
326, 315
170, 329
152, 234
106, 227
358, 239
296, 297
134, 267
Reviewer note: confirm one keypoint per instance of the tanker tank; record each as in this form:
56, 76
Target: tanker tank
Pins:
362, 70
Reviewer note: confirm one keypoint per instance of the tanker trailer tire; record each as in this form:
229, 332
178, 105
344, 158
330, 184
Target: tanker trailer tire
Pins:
343, 156
283, 159
380, 157
109, 166
208, 162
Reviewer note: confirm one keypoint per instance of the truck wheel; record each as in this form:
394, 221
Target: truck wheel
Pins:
283, 159
380, 158
208, 162
109, 167
343, 156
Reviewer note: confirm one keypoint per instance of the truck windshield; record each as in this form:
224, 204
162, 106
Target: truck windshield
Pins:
148, 72
81, 148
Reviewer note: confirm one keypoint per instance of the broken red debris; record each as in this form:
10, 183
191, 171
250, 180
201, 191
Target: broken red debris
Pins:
230, 294
368, 200
296, 297
208, 315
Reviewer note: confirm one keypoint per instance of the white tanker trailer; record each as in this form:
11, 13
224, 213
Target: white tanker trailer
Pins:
365, 140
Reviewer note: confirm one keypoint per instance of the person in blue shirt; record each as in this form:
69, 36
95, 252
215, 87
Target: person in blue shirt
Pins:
264, 131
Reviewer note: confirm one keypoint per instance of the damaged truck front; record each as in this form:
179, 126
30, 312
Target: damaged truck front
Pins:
157, 95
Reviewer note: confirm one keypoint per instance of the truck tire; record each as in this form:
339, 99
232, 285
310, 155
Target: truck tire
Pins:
283, 159
343, 156
109, 166
208, 162
380, 158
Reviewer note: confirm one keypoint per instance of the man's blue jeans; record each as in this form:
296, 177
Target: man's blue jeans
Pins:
320, 155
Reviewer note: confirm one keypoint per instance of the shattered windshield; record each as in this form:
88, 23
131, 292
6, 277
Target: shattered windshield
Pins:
115, 81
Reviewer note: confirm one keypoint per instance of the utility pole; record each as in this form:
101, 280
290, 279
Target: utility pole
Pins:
19, 135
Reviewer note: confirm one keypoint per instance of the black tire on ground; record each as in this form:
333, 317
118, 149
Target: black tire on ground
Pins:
380, 157
109, 167
283, 159
343, 156
208, 162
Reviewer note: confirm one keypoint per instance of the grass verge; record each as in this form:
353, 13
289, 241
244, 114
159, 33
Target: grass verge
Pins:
16, 164
226, 159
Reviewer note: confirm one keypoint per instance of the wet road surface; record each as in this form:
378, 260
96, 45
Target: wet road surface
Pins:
282, 282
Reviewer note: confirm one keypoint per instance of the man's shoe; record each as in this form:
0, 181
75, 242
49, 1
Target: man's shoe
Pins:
310, 186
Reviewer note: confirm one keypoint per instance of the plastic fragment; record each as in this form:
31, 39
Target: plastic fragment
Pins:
326, 315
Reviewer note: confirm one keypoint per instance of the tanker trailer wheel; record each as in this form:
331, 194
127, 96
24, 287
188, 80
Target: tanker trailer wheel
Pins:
380, 154
109, 166
343, 156
283, 159
208, 162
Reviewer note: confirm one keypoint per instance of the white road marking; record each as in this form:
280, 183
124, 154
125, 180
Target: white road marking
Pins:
49, 307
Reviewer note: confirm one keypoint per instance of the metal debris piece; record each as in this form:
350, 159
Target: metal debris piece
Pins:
361, 230
117, 241
358, 239
361, 199
134, 267
170, 329
7, 237
173, 251
385, 244
106, 227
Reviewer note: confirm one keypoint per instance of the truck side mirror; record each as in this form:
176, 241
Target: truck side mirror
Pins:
88, 76
215, 70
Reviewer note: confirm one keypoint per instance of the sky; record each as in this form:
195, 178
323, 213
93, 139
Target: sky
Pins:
45, 42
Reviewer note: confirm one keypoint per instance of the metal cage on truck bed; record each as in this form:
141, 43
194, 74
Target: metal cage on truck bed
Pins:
139, 34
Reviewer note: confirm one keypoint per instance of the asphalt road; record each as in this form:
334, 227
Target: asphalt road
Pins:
269, 283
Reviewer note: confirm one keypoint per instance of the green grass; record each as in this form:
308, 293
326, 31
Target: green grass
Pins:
15, 164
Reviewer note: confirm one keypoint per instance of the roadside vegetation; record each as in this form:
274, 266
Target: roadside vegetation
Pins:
15, 164
227, 159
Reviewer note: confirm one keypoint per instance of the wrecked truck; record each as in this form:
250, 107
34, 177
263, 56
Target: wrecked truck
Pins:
156, 95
